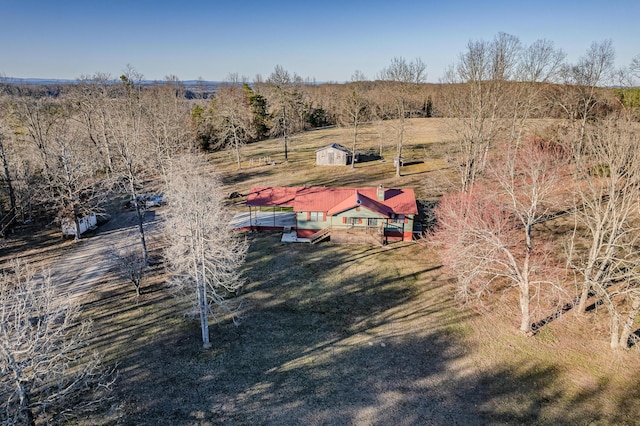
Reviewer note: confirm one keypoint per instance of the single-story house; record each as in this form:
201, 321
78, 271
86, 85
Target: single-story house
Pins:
349, 213
334, 155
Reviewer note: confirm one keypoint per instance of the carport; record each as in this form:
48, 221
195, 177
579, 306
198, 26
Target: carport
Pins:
269, 209
264, 220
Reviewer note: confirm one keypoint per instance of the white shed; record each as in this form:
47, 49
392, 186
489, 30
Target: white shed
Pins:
333, 155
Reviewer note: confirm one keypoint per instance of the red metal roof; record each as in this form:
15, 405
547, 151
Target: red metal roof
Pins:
357, 200
335, 200
272, 196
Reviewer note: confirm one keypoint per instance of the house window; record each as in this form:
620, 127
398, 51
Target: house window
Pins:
398, 219
353, 221
316, 217
372, 222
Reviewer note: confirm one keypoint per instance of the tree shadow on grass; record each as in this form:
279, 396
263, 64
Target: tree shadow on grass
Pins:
49, 244
267, 376
368, 157
243, 175
329, 341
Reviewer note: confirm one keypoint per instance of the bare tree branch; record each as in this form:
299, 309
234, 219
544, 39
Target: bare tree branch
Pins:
486, 233
606, 197
48, 374
204, 254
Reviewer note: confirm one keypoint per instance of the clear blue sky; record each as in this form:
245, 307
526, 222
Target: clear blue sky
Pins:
326, 40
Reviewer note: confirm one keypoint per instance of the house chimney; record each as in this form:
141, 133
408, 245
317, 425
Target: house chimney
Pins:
380, 192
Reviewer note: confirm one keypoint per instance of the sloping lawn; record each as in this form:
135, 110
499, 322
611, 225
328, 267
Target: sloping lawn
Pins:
347, 334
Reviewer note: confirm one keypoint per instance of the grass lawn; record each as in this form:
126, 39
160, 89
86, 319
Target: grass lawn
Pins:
352, 334
426, 145
335, 334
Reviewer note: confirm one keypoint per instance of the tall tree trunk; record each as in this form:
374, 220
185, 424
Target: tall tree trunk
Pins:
589, 272
286, 136
524, 286
355, 138
627, 328
109, 159
236, 142
202, 296
525, 321
584, 296
76, 224
23, 393
140, 217
25, 403
615, 329
204, 317
7, 177
71, 202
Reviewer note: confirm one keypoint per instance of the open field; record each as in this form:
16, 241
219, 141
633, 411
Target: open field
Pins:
340, 334
426, 146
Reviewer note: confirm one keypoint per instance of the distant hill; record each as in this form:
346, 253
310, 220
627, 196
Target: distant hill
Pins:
193, 88
55, 81
37, 81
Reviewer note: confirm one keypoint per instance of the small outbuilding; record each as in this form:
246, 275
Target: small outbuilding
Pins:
334, 155
84, 224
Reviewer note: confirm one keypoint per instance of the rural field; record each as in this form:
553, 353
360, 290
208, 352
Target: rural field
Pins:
334, 334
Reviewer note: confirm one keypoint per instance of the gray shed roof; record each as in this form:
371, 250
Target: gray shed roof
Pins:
335, 146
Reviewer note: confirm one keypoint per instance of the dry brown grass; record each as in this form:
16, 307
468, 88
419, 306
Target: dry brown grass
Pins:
355, 334
426, 145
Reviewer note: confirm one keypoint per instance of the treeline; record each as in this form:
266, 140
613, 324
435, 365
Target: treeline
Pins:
63, 155
62, 146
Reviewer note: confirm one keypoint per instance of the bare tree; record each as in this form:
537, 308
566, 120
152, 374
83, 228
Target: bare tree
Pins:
493, 90
7, 219
580, 98
285, 105
93, 98
165, 122
353, 112
402, 77
608, 183
26, 178
48, 374
537, 65
131, 265
39, 118
125, 123
69, 185
382, 109
232, 117
76, 191
358, 76
487, 233
204, 254
476, 99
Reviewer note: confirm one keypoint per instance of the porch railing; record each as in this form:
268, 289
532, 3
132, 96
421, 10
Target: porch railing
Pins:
320, 235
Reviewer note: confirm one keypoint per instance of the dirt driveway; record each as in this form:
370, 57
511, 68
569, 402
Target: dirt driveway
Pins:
82, 269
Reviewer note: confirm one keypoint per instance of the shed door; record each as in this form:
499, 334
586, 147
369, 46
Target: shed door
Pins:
330, 157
